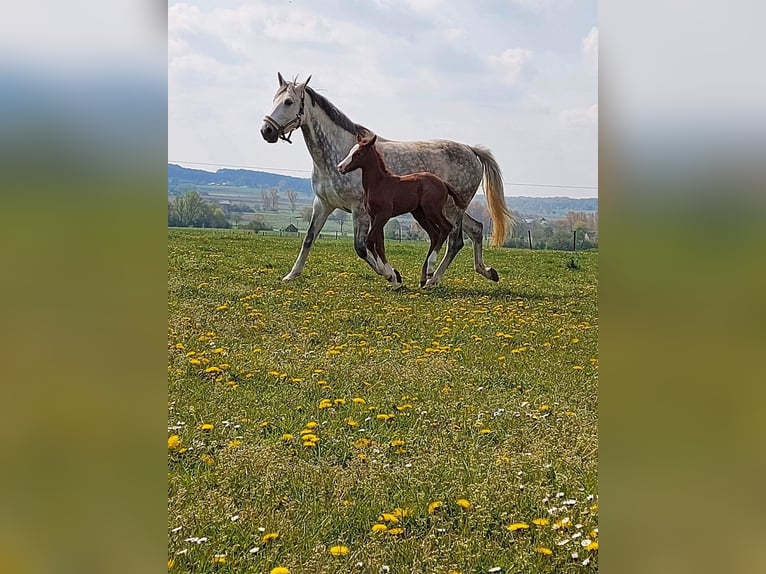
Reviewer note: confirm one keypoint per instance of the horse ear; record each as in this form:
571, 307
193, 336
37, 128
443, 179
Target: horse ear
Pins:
281, 79
306, 83
374, 139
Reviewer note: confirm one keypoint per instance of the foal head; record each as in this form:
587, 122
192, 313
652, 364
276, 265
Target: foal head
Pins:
359, 155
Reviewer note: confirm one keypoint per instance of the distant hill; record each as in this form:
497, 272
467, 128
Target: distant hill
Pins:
178, 176
551, 206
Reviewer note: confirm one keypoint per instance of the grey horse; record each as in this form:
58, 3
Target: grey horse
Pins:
329, 134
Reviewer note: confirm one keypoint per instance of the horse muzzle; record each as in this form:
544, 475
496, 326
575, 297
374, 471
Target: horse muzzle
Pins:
268, 133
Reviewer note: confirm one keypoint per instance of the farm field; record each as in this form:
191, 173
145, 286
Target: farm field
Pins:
332, 425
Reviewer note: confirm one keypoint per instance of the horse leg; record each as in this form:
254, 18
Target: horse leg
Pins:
319, 215
474, 230
443, 228
454, 245
425, 223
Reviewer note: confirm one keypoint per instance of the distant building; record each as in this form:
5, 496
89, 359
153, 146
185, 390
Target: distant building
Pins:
291, 229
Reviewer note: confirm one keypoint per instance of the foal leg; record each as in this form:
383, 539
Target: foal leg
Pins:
454, 245
361, 221
376, 246
474, 230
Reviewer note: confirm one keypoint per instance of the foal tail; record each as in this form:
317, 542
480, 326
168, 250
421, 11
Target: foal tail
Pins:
502, 219
459, 201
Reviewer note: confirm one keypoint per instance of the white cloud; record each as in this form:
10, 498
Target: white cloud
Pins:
590, 49
513, 65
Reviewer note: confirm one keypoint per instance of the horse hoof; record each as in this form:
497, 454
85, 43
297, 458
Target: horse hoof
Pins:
289, 277
395, 286
493, 276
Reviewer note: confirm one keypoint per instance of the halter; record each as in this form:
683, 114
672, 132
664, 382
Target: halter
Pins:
290, 126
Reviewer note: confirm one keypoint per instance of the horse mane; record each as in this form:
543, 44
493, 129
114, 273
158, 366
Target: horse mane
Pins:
336, 115
381, 163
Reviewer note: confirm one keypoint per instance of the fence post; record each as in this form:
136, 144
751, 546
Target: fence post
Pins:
574, 240
529, 234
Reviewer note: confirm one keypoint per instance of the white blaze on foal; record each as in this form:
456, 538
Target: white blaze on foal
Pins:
346, 160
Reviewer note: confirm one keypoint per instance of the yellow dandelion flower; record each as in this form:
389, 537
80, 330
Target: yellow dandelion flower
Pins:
358, 401
434, 505
171, 561
463, 503
593, 533
231, 384
235, 443
388, 517
274, 373
543, 408
195, 361
395, 531
592, 546
485, 431
361, 443
543, 550
339, 550
309, 443
541, 521
287, 436
219, 559
207, 459
222, 307
340, 401
296, 380
396, 442
180, 346
379, 527
310, 436
206, 426
578, 368
402, 512
384, 417
517, 526
325, 404
218, 351
563, 523
312, 425
269, 537
351, 422
174, 441
279, 570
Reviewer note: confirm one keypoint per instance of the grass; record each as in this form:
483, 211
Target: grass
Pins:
480, 391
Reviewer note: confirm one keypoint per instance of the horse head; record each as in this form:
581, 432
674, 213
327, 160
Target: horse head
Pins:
357, 155
287, 113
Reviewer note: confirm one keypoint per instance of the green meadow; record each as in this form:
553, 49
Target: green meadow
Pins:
332, 425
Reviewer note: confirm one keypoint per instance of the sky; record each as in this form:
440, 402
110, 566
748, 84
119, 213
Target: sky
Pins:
520, 76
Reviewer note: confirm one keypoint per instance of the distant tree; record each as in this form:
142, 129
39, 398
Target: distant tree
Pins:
306, 213
236, 216
340, 217
188, 210
393, 229
274, 192
258, 224
292, 195
265, 199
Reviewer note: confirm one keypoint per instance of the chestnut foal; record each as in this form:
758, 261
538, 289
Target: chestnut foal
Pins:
387, 195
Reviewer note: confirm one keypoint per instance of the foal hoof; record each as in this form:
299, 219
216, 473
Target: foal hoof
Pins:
493, 276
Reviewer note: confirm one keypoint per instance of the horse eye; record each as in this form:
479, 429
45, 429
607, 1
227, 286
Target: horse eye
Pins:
288, 102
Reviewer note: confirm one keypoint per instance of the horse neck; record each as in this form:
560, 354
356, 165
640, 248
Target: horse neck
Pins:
327, 142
